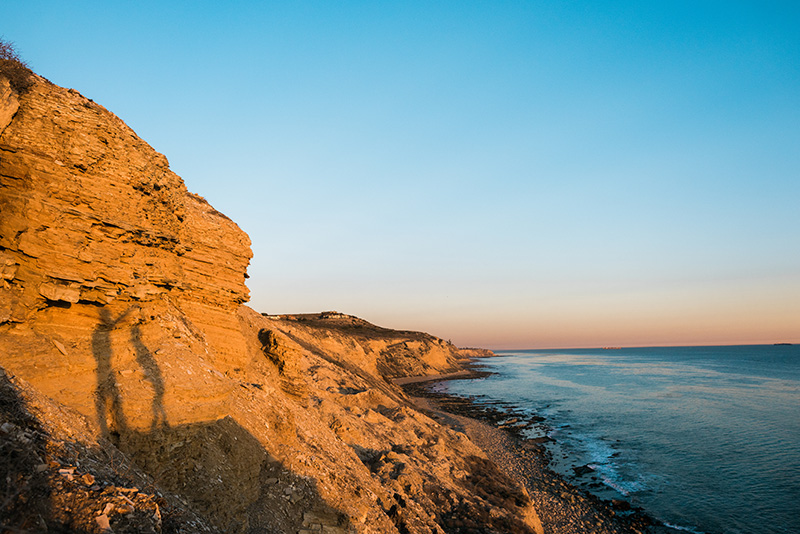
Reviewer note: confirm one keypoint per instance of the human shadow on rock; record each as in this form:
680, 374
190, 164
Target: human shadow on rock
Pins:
108, 399
152, 374
222, 471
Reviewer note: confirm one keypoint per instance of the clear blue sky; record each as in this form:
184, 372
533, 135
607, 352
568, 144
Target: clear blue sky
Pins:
504, 174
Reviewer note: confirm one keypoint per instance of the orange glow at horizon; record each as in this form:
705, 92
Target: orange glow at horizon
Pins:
713, 316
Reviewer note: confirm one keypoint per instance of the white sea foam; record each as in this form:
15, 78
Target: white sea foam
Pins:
683, 528
705, 436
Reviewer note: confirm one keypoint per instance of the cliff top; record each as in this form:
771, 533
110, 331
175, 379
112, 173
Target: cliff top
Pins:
334, 320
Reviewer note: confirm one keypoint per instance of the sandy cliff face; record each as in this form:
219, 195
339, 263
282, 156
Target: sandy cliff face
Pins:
121, 301
107, 260
379, 351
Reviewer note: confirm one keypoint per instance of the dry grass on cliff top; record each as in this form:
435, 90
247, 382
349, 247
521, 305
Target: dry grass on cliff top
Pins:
14, 68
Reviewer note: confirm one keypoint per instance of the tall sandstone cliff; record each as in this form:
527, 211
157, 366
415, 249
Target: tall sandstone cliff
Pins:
95, 233
123, 334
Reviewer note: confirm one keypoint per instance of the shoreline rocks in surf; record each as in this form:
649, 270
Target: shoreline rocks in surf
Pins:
617, 515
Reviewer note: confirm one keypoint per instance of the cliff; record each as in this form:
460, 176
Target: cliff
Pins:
140, 394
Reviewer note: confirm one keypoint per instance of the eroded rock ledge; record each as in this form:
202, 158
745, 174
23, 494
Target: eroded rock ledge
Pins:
91, 214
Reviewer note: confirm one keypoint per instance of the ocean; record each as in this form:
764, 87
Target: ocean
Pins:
704, 439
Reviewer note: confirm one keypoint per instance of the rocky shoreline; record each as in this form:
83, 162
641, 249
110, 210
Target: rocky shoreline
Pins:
499, 429
140, 394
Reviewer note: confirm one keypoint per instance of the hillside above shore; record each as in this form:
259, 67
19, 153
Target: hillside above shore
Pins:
139, 394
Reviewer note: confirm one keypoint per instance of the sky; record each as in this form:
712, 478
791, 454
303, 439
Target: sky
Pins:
506, 174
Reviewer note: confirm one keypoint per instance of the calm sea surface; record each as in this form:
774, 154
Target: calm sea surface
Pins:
706, 439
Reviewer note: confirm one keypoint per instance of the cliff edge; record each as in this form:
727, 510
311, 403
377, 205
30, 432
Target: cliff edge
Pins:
139, 394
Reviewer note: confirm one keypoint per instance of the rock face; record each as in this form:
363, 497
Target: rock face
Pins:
91, 213
99, 242
379, 351
123, 334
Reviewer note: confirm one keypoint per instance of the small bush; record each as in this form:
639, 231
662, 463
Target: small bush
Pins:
14, 68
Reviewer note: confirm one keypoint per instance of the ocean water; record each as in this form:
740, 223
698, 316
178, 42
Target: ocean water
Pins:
705, 439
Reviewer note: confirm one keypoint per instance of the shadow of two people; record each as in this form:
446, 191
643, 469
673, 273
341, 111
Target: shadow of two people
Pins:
108, 398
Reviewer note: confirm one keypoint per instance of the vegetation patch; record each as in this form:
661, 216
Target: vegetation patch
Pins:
14, 68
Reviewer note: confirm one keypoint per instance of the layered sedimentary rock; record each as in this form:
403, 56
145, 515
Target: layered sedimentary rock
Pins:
104, 254
121, 302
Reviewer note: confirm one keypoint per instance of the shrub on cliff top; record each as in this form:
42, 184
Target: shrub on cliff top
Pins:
14, 68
